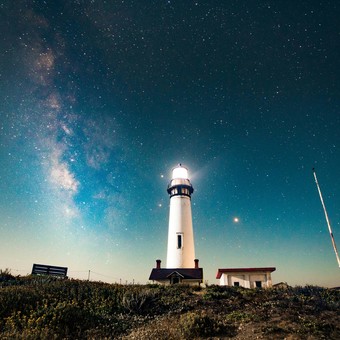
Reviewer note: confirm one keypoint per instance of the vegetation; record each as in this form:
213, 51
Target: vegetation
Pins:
42, 307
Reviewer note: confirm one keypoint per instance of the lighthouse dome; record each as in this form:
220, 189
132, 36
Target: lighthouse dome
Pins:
180, 172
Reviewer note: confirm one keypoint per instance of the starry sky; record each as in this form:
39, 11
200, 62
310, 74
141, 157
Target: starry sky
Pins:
99, 100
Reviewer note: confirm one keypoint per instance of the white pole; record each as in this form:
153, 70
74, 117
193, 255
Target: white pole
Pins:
327, 219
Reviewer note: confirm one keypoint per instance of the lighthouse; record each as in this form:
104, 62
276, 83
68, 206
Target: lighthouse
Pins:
181, 249
181, 264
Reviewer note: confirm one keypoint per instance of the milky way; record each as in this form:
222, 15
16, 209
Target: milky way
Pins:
100, 99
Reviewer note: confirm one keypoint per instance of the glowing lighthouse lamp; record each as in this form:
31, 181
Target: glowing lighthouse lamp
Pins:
181, 250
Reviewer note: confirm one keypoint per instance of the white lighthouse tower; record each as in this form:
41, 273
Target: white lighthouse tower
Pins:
181, 249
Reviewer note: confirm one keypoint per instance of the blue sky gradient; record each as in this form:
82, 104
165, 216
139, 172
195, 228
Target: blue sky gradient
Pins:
101, 99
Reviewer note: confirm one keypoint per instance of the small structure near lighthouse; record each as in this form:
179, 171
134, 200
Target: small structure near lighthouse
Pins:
181, 265
246, 277
166, 276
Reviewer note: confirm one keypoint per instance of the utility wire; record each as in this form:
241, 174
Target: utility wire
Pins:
72, 272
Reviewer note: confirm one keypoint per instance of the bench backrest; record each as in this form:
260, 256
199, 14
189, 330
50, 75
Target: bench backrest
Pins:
43, 269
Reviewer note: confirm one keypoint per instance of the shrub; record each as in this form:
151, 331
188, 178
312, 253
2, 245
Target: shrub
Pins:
273, 330
138, 300
215, 292
238, 316
6, 278
200, 324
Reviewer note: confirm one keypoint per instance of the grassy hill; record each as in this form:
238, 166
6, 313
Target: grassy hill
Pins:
50, 308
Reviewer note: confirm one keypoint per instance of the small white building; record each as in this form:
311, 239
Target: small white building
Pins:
246, 277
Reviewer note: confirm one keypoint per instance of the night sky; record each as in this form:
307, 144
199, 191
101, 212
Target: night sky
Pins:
99, 100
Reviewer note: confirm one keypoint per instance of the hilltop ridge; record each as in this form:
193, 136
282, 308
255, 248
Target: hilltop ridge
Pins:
43, 307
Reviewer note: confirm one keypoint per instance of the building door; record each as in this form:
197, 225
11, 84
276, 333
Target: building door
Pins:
175, 280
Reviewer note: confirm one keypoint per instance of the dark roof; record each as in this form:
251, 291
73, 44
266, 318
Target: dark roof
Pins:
281, 285
237, 270
185, 273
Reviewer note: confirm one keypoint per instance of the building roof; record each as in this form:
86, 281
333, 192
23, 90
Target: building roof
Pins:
186, 273
239, 270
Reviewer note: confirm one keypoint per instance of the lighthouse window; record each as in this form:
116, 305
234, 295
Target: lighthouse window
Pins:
185, 191
179, 241
174, 191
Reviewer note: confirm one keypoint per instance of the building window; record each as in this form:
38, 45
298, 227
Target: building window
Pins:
258, 284
236, 284
179, 241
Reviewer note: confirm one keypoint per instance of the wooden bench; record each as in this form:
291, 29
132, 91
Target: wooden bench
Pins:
42, 269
